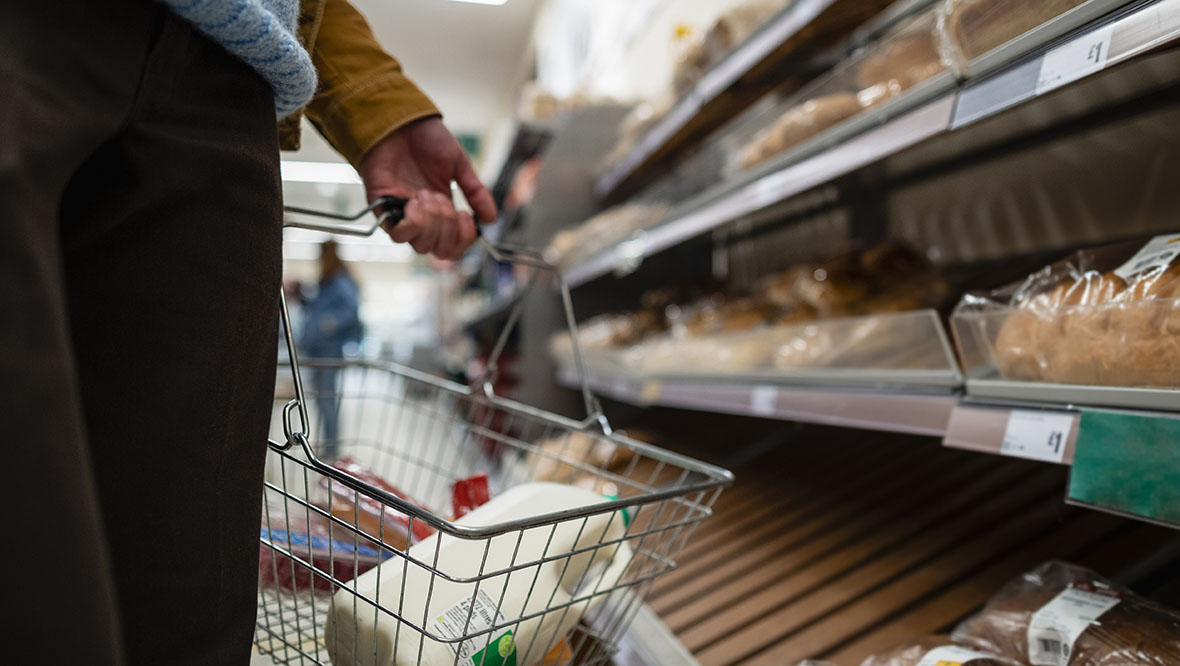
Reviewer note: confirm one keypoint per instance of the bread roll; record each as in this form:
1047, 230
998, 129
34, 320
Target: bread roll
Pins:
906, 60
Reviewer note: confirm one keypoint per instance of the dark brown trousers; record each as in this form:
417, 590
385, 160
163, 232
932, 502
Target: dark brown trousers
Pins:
139, 274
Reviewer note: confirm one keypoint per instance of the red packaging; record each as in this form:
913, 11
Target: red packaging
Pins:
469, 493
366, 513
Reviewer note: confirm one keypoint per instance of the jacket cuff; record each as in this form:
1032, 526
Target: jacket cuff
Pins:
356, 121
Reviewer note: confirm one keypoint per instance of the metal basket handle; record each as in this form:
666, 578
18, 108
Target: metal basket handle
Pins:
390, 210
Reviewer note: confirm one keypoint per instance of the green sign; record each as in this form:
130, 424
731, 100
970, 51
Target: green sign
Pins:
1129, 464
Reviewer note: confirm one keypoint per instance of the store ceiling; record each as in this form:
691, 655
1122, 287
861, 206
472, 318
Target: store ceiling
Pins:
467, 57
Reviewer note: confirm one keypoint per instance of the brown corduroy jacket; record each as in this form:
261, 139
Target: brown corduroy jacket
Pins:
363, 94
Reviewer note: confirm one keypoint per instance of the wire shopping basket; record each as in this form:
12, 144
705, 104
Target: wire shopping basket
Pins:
362, 560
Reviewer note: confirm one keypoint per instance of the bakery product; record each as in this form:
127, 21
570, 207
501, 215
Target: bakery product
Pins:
1079, 322
899, 62
970, 28
1125, 629
935, 650
798, 124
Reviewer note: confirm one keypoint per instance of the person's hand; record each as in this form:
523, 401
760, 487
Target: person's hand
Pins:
417, 163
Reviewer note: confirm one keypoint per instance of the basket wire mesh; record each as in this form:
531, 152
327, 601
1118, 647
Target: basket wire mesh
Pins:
324, 525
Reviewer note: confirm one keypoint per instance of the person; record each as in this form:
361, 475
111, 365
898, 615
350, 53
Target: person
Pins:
140, 262
331, 322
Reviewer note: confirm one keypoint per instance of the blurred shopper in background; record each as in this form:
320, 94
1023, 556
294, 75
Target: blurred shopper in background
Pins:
331, 325
140, 268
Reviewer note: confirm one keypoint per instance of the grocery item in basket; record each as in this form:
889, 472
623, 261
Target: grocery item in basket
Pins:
357, 633
304, 532
1105, 316
936, 651
971, 28
1061, 614
798, 124
368, 514
469, 493
565, 459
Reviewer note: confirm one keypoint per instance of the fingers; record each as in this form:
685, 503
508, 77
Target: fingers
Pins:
477, 195
432, 226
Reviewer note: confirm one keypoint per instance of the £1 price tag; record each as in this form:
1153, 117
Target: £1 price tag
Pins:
1075, 59
1037, 435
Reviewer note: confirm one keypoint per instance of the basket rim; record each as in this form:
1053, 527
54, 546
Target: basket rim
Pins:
715, 477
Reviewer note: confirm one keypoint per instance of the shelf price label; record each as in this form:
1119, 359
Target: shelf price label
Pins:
762, 400
1075, 59
1037, 435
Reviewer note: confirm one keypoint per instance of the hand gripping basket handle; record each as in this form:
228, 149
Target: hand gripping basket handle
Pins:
389, 211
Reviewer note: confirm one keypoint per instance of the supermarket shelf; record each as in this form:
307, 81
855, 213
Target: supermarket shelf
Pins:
916, 412
733, 83
882, 402
530, 140
495, 310
1000, 390
937, 107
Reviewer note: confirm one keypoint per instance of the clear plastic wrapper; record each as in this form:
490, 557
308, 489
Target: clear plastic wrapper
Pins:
303, 531
604, 230
1066, 615
731, 28
902, 341
905, 56
936, 651
971, 28
1108, 316
382, 523
566, 459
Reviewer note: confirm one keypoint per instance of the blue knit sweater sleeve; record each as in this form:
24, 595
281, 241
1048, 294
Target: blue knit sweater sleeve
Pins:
262, 34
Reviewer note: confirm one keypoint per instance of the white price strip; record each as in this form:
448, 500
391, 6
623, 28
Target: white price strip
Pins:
762, 400
1037, 435
1075, 59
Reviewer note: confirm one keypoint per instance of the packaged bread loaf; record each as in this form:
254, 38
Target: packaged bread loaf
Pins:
899, 62
1061, 614
936, 651
970, 28
798, 124
1107, 316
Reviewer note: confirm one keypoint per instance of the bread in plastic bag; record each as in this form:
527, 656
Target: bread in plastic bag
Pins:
1132, 632
797, 124
932, 650
971, 28
1091, 318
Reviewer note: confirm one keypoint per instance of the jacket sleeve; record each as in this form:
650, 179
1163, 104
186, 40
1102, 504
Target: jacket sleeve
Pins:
363, 94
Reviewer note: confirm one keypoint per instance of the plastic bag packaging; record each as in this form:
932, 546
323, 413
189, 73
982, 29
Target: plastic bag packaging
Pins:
304, 532
904, 341
797, 124
936, 651
1061, 614
970, 28
604, 230
382, 523
1106, 316
698, 54
900, 61
749, 350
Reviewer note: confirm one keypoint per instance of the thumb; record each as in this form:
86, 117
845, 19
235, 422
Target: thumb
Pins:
477, 195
